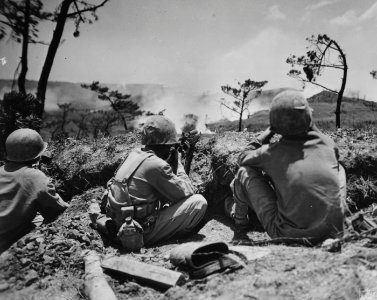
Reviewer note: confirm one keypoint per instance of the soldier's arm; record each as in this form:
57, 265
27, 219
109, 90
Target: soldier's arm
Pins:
253, 158
50, 204
172, 187
262, 139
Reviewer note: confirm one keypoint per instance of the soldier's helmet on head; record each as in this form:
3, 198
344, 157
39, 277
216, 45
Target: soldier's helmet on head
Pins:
24, 145
158, 130
290, 114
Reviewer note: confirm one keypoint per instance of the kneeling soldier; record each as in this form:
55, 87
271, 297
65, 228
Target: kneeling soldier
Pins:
151, 189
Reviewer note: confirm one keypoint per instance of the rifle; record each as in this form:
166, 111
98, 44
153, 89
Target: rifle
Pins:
187, 145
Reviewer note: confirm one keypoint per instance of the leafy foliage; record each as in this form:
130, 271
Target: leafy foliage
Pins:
243, 95
122, 105
316, 60
12, 19
17, 110
101, 123
22, 17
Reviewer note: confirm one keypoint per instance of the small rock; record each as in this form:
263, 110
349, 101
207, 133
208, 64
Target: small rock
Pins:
31, 277
25, 262
40, 240
34, 237
21, 243
374, 213
332, 245
85, 239
4, 286
30, 246
129, 287
74, 234
12, 279
47, 271
97, 244
48, 259
42, 249
52, 230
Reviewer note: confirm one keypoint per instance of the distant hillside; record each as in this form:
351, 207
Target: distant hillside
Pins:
155, 98
68, 92
355, 113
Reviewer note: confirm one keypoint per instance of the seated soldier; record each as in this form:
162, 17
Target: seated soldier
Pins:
295, 186
24, 189
156, 191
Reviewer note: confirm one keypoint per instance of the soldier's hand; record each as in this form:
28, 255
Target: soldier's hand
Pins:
172, 160
265, 136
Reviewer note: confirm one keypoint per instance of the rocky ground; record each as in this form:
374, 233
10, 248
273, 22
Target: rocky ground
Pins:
47, 262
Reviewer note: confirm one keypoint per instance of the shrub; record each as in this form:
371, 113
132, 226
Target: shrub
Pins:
17, 111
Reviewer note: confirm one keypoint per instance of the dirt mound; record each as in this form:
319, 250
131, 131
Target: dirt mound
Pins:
47, 262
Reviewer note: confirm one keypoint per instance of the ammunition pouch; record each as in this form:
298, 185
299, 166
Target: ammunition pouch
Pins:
120, 205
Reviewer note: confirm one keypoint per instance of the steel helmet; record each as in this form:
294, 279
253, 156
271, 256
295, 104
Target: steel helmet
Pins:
290, 114
24, 145
158, 130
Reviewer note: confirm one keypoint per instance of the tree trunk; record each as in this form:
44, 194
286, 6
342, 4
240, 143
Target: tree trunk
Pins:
342, 88
123, 121
52, 49
241, 113
64, 119
25, 42
122, 118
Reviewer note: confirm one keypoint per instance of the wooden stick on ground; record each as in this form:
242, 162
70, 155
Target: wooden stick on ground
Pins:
96, 286
156, 276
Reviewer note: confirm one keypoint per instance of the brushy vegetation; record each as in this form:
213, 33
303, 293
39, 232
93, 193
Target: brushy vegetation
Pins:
50, 254
78, 165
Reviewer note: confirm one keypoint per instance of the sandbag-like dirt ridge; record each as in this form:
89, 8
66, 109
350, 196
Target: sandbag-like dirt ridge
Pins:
47, 263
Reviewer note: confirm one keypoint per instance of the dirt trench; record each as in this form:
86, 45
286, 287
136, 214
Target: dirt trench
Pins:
47, 263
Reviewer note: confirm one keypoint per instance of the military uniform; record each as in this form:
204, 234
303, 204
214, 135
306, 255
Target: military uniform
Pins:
165, 202
295, 186
24, 191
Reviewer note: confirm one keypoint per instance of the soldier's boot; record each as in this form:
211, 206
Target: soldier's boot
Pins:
240, 234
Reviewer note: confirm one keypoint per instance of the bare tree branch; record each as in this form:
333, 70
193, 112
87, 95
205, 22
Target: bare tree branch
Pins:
93, 8
78, 12
316, 60
229, 107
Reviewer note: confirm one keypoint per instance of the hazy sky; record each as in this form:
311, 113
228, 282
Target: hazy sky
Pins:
198, 45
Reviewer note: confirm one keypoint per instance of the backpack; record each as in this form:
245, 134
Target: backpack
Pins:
120, 204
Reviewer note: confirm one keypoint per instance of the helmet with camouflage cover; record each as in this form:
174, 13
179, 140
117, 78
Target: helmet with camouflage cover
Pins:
24, 145
290, 114
158, 130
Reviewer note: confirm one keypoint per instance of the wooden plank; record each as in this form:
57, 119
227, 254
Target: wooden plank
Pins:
158, 277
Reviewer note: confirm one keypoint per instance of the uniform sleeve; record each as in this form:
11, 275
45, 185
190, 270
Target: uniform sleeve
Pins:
253, 158
181, 172
50, 204
173, 187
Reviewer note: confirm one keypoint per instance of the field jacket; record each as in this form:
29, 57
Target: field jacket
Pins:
305, 175
153, 184
24, 191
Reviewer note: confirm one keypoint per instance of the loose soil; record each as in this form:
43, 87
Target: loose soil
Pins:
47, 262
